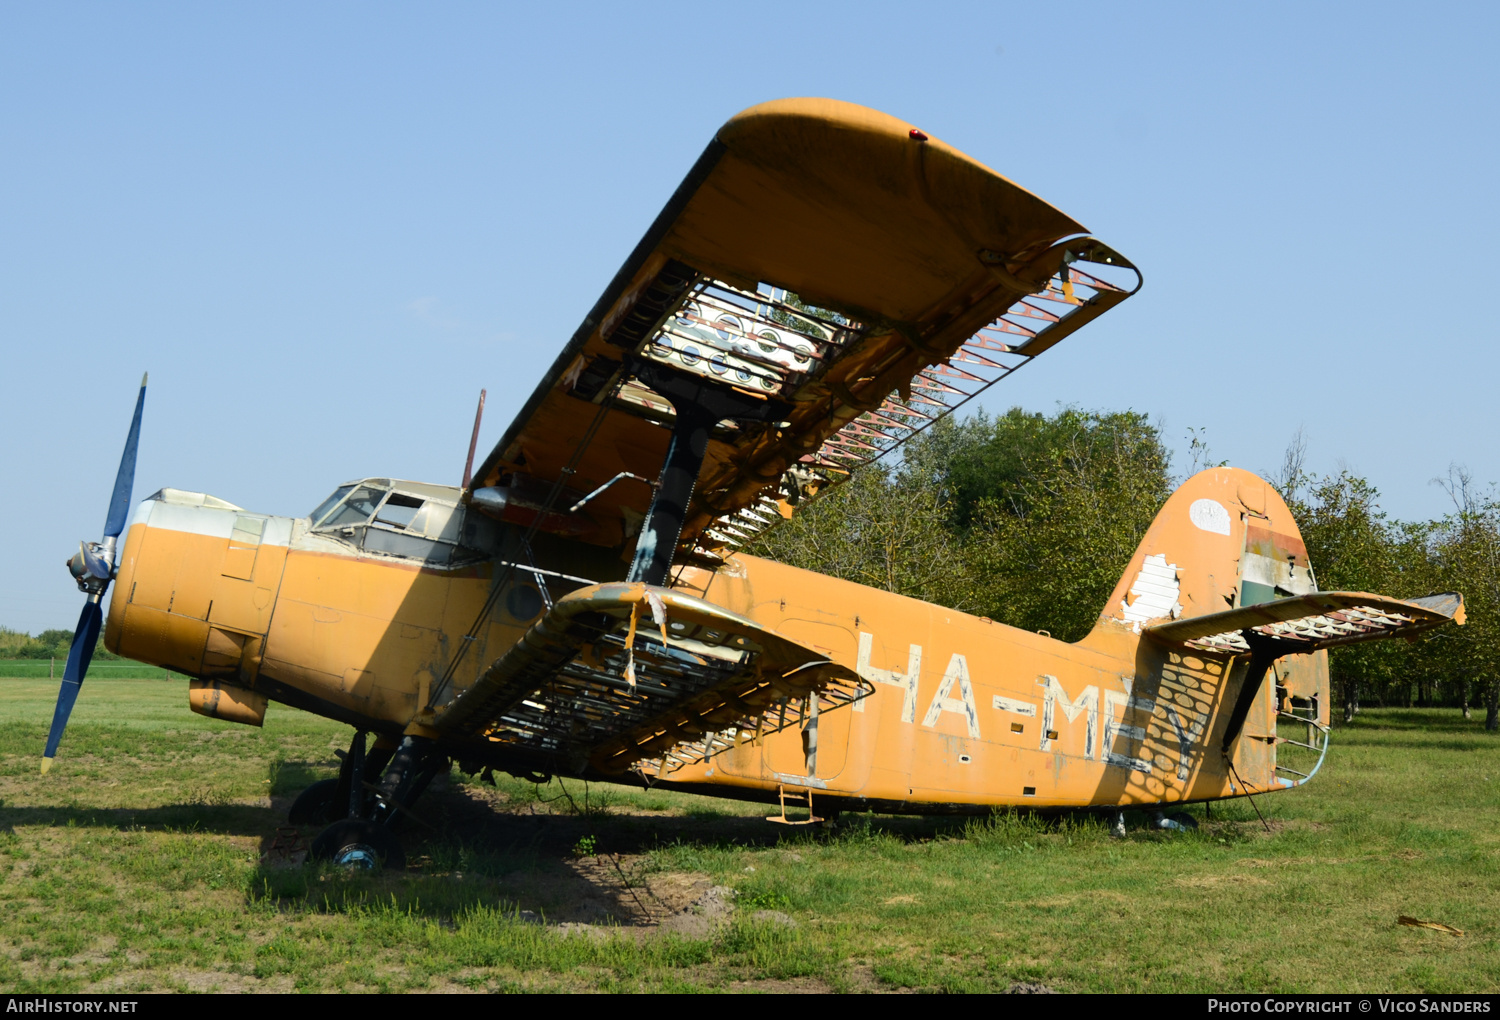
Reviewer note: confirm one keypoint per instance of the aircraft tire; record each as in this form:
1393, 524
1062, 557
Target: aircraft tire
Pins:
356, 843
1183, 819
312, 804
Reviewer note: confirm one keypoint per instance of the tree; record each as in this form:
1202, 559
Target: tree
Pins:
1026, 518
883, 528
1055, 507
1351, 545
1466, 550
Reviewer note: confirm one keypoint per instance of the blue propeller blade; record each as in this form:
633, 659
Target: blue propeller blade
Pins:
84, 640
119, 503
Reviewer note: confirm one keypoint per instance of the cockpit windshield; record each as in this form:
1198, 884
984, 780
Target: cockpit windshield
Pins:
328, 504
357, 507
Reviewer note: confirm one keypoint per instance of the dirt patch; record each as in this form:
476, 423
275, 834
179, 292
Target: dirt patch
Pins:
803, 986
1219, 881
696, 920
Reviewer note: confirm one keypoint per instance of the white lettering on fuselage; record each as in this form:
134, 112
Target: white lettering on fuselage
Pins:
906, 681
1113, 729
1089, 702
1187, 735
1054, 697
943, 700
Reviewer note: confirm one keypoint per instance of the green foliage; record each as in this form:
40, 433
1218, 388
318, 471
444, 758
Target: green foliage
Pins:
1025, 518
1055, 508
1355, 546
884, 529
49, 644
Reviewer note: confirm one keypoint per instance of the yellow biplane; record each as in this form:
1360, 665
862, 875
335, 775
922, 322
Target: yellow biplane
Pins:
825, 283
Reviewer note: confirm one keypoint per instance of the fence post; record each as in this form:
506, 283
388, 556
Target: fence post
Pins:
52, 668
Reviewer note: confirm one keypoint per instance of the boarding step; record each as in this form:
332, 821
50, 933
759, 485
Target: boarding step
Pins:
802, 796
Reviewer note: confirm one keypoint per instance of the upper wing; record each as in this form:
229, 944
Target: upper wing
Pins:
1306, 623
859, 277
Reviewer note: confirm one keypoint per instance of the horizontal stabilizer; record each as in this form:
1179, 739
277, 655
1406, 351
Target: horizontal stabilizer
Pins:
616, 675
1307, 623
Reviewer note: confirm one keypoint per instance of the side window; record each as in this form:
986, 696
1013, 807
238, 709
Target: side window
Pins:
437, 520
411, 527
398, 510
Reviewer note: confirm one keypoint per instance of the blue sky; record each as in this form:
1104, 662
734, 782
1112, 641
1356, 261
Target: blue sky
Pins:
322, 228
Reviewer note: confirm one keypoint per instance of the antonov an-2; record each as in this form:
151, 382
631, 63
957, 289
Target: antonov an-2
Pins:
826, 282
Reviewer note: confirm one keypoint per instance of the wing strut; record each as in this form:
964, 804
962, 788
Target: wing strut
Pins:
1263, 652
699, 406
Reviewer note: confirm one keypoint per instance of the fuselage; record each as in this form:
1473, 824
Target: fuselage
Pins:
356, 618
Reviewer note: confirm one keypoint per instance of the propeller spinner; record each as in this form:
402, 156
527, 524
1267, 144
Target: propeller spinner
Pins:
93, 567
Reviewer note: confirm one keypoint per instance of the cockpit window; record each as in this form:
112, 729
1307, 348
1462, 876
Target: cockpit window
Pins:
399, 509
356, 509
327, 504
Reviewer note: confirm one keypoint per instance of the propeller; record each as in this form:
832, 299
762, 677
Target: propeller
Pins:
93, 567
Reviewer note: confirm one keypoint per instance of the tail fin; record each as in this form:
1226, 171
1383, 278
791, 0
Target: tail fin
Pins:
1224, 539
1223, 572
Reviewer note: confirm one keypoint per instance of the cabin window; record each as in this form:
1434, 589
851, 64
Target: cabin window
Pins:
437, 520
413, 528
398, 510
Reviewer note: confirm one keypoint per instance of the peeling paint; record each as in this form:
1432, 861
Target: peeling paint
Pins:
1154, 593
1209, 515
1026, 708
893, 678
958, 671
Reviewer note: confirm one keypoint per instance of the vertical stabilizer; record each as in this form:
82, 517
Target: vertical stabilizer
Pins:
1224, 539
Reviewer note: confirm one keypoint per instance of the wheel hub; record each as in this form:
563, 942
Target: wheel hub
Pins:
358, 856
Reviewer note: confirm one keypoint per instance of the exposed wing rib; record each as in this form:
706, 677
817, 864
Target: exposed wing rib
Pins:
600, 682
1307, 623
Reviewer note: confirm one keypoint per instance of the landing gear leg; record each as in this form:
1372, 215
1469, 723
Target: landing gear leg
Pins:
329, 800
1117, 830
361, 839
412, 767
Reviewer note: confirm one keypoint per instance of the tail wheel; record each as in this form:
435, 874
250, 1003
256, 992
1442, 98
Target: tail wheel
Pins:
356, 843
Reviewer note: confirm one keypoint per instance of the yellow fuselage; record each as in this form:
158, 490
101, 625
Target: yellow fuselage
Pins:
966, 714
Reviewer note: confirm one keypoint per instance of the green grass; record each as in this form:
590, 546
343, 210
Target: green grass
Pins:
137, 865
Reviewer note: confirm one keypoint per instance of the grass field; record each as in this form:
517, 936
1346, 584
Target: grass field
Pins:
150, 859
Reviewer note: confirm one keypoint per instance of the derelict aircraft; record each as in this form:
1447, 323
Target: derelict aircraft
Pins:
824, 284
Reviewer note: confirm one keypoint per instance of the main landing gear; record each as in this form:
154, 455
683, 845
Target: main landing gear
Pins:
360, 807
